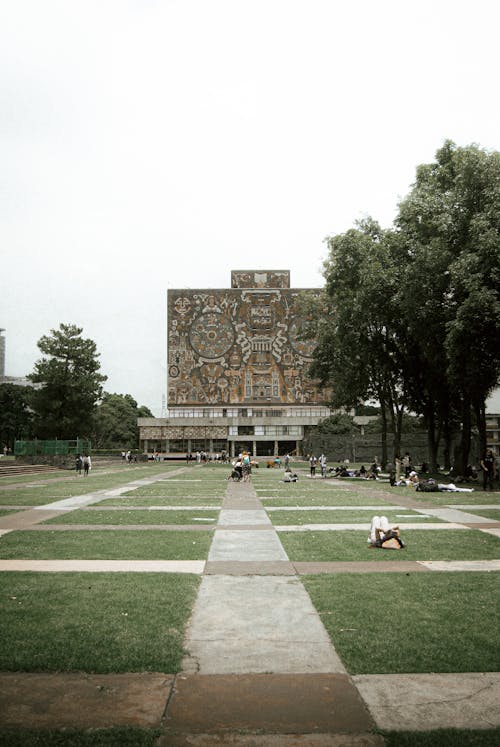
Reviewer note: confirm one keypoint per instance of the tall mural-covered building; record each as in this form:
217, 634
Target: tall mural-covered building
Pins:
237, 369
238, 346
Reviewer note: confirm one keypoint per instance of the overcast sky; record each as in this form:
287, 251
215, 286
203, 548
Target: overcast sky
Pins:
155, 144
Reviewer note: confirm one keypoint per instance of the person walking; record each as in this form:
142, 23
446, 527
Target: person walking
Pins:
87, 465
78, 464
322, 464
312, 464
489, 467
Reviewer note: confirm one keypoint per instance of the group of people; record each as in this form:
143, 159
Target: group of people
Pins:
128, 457
242, 468
202, 457
317, 462
83, 463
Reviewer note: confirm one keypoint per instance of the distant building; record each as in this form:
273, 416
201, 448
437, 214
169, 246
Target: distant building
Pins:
237, 370
17, 380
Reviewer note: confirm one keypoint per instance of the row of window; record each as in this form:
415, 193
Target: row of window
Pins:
249, 412
265, 430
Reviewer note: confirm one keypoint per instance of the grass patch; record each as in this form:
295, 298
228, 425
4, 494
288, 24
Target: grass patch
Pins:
96, 516
453, 619
6, 511
69, 486
159, 500
98, 622
443, 738
344, 499
344, 517
452, 499
487, 513
421, 544
179, 490
120, 736
106, 545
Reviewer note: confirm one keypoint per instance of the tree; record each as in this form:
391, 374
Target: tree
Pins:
16, 416
115, 423
359, 351
338, 425
449, 227
71, 384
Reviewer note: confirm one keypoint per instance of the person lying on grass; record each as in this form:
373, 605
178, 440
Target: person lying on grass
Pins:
383, 535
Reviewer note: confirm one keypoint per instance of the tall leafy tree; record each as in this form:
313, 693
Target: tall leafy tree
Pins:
71, 384
450, 230
359, 351
16, 415
115, 424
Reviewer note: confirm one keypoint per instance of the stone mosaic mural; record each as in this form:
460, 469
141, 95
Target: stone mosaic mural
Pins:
238, 346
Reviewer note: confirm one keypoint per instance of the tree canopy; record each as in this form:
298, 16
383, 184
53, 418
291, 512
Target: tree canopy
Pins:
115, 422
16, 415
71, 384
414, 312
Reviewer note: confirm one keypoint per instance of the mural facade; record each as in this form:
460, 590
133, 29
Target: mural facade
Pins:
240, 345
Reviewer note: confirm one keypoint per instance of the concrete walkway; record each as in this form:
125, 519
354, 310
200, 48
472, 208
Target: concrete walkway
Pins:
260, 659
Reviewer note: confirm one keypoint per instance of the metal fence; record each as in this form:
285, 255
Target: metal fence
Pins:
50, 448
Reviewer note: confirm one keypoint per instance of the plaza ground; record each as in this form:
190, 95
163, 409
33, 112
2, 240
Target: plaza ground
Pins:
282, 626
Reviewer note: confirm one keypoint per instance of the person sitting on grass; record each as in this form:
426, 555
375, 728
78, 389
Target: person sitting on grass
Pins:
383, 535
290, 476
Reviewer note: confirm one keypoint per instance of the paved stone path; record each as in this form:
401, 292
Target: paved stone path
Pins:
260, 658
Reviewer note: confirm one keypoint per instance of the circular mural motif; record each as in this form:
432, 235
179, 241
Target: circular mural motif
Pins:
211, 335
303, 347
173, 371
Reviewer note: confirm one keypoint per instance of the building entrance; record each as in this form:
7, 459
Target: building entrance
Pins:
265, 448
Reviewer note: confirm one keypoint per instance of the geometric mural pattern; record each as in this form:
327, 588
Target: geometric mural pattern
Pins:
240, 345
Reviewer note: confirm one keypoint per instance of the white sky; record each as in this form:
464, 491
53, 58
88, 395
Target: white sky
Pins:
160, 144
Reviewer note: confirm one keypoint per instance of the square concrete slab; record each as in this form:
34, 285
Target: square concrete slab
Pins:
267, 702
242, 544
245, 517
82, 701
422, 702
258, 624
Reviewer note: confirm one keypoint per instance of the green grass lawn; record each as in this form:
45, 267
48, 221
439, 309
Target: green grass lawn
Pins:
419, 622
452, 499
421, 544
130, 736
179, 490
48, 493
99, 622
315, 516
345, 499
443, 738
96, 516
119, 736
487, 513
161, 500
109, 545
6, 511
40, 495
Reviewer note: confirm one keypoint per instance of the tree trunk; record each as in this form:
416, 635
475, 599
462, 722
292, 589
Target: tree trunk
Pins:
448, 442
384, 437
480, 412
432, 446
464, 448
